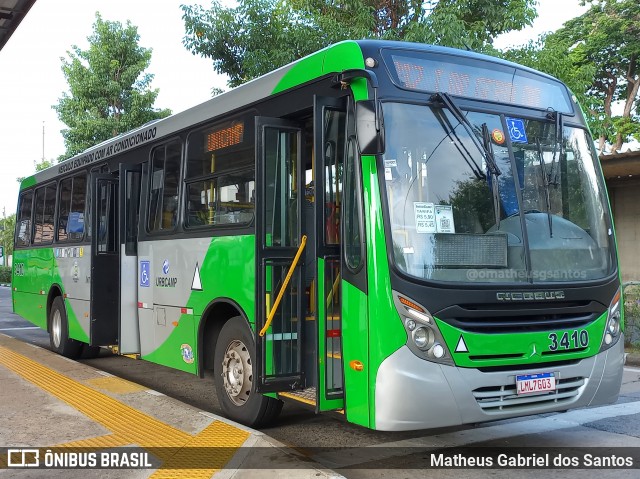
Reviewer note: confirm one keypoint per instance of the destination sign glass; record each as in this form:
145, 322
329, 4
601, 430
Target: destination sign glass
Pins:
477, 79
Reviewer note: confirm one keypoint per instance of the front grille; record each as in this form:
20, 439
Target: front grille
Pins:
497, 399
521, 318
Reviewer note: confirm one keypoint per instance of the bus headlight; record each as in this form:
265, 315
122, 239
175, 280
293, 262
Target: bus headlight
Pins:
614, 323
423, 336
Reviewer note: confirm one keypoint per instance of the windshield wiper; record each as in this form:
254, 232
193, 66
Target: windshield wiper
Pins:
486, 142
558, 145
492, 166
458, 144
545, 183
485, 148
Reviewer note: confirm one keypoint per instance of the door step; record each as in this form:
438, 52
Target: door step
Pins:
306, 396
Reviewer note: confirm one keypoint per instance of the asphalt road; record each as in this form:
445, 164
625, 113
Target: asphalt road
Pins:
611, 426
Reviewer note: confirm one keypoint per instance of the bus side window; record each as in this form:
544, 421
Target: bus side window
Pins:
23, 225
164, 187
223, 200
64, 204
45, 205
71, 208
220, 176
75, 226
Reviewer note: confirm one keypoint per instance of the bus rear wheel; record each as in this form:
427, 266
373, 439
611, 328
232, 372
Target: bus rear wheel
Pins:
59, 338
234, 373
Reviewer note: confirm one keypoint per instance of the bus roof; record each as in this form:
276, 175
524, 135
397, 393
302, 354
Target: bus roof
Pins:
332, 59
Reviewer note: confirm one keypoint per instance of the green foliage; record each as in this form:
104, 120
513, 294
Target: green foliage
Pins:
7, 227
109, 93
5, 274
258, 36
43, 165
554, 56
632, 316
607, 37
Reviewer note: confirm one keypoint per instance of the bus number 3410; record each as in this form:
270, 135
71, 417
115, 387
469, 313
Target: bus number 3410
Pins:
569, 340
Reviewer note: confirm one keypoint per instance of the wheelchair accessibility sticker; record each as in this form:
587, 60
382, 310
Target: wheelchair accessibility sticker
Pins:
145, 274
516, 129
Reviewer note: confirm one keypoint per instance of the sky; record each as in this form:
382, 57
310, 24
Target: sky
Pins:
31, 79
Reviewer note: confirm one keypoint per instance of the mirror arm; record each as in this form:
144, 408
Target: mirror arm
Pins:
347, 76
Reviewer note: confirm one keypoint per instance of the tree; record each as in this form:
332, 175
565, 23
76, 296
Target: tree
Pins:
43, 165
607, 36
257, 36
553, 55
109, 91
7, 228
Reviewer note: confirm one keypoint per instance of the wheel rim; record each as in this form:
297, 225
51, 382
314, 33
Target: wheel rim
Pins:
56, 328
237, 372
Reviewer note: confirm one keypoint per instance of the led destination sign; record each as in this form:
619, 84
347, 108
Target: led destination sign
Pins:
224, 137
475, 79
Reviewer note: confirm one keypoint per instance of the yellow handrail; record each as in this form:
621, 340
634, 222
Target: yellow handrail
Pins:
274, 308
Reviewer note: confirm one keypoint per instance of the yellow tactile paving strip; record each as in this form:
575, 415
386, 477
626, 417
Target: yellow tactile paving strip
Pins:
132, 427
115, 385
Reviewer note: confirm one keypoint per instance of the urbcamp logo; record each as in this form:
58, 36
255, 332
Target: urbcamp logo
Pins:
164, 281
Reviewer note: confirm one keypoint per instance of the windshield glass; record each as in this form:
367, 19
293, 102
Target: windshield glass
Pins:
456, 217
568, 235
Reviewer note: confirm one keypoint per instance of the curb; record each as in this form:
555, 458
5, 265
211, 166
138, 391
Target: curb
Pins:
632, 359
106, 412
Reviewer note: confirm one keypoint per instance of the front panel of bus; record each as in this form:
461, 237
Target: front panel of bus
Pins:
490, 209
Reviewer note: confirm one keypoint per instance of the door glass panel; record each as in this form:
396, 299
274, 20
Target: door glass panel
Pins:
283, 334
106, 242
353, 227
333, 327
334, 127
132, 211
281, 209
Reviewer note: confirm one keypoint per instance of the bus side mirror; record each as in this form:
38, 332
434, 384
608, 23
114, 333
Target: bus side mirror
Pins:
369, 127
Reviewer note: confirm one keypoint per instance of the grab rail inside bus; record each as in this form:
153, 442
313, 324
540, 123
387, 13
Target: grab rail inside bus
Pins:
272, 313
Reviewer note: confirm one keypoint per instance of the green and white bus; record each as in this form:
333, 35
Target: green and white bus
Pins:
411, 235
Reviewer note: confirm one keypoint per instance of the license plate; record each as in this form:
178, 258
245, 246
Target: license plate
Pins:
535, 383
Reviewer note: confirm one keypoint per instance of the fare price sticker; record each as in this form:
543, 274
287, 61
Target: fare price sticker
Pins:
425, 217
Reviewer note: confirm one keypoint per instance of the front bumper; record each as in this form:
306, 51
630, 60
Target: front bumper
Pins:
412, 393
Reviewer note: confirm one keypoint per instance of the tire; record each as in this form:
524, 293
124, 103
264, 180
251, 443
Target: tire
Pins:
59, 338
233, 369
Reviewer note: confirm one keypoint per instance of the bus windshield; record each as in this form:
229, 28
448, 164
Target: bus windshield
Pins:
457, 211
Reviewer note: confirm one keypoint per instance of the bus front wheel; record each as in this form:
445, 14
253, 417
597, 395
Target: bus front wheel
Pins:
59, 338
234, 373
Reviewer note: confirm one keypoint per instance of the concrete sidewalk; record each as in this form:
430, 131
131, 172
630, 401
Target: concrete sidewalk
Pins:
50, 402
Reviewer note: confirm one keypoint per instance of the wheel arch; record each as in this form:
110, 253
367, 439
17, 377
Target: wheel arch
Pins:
215, 315
54, 292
